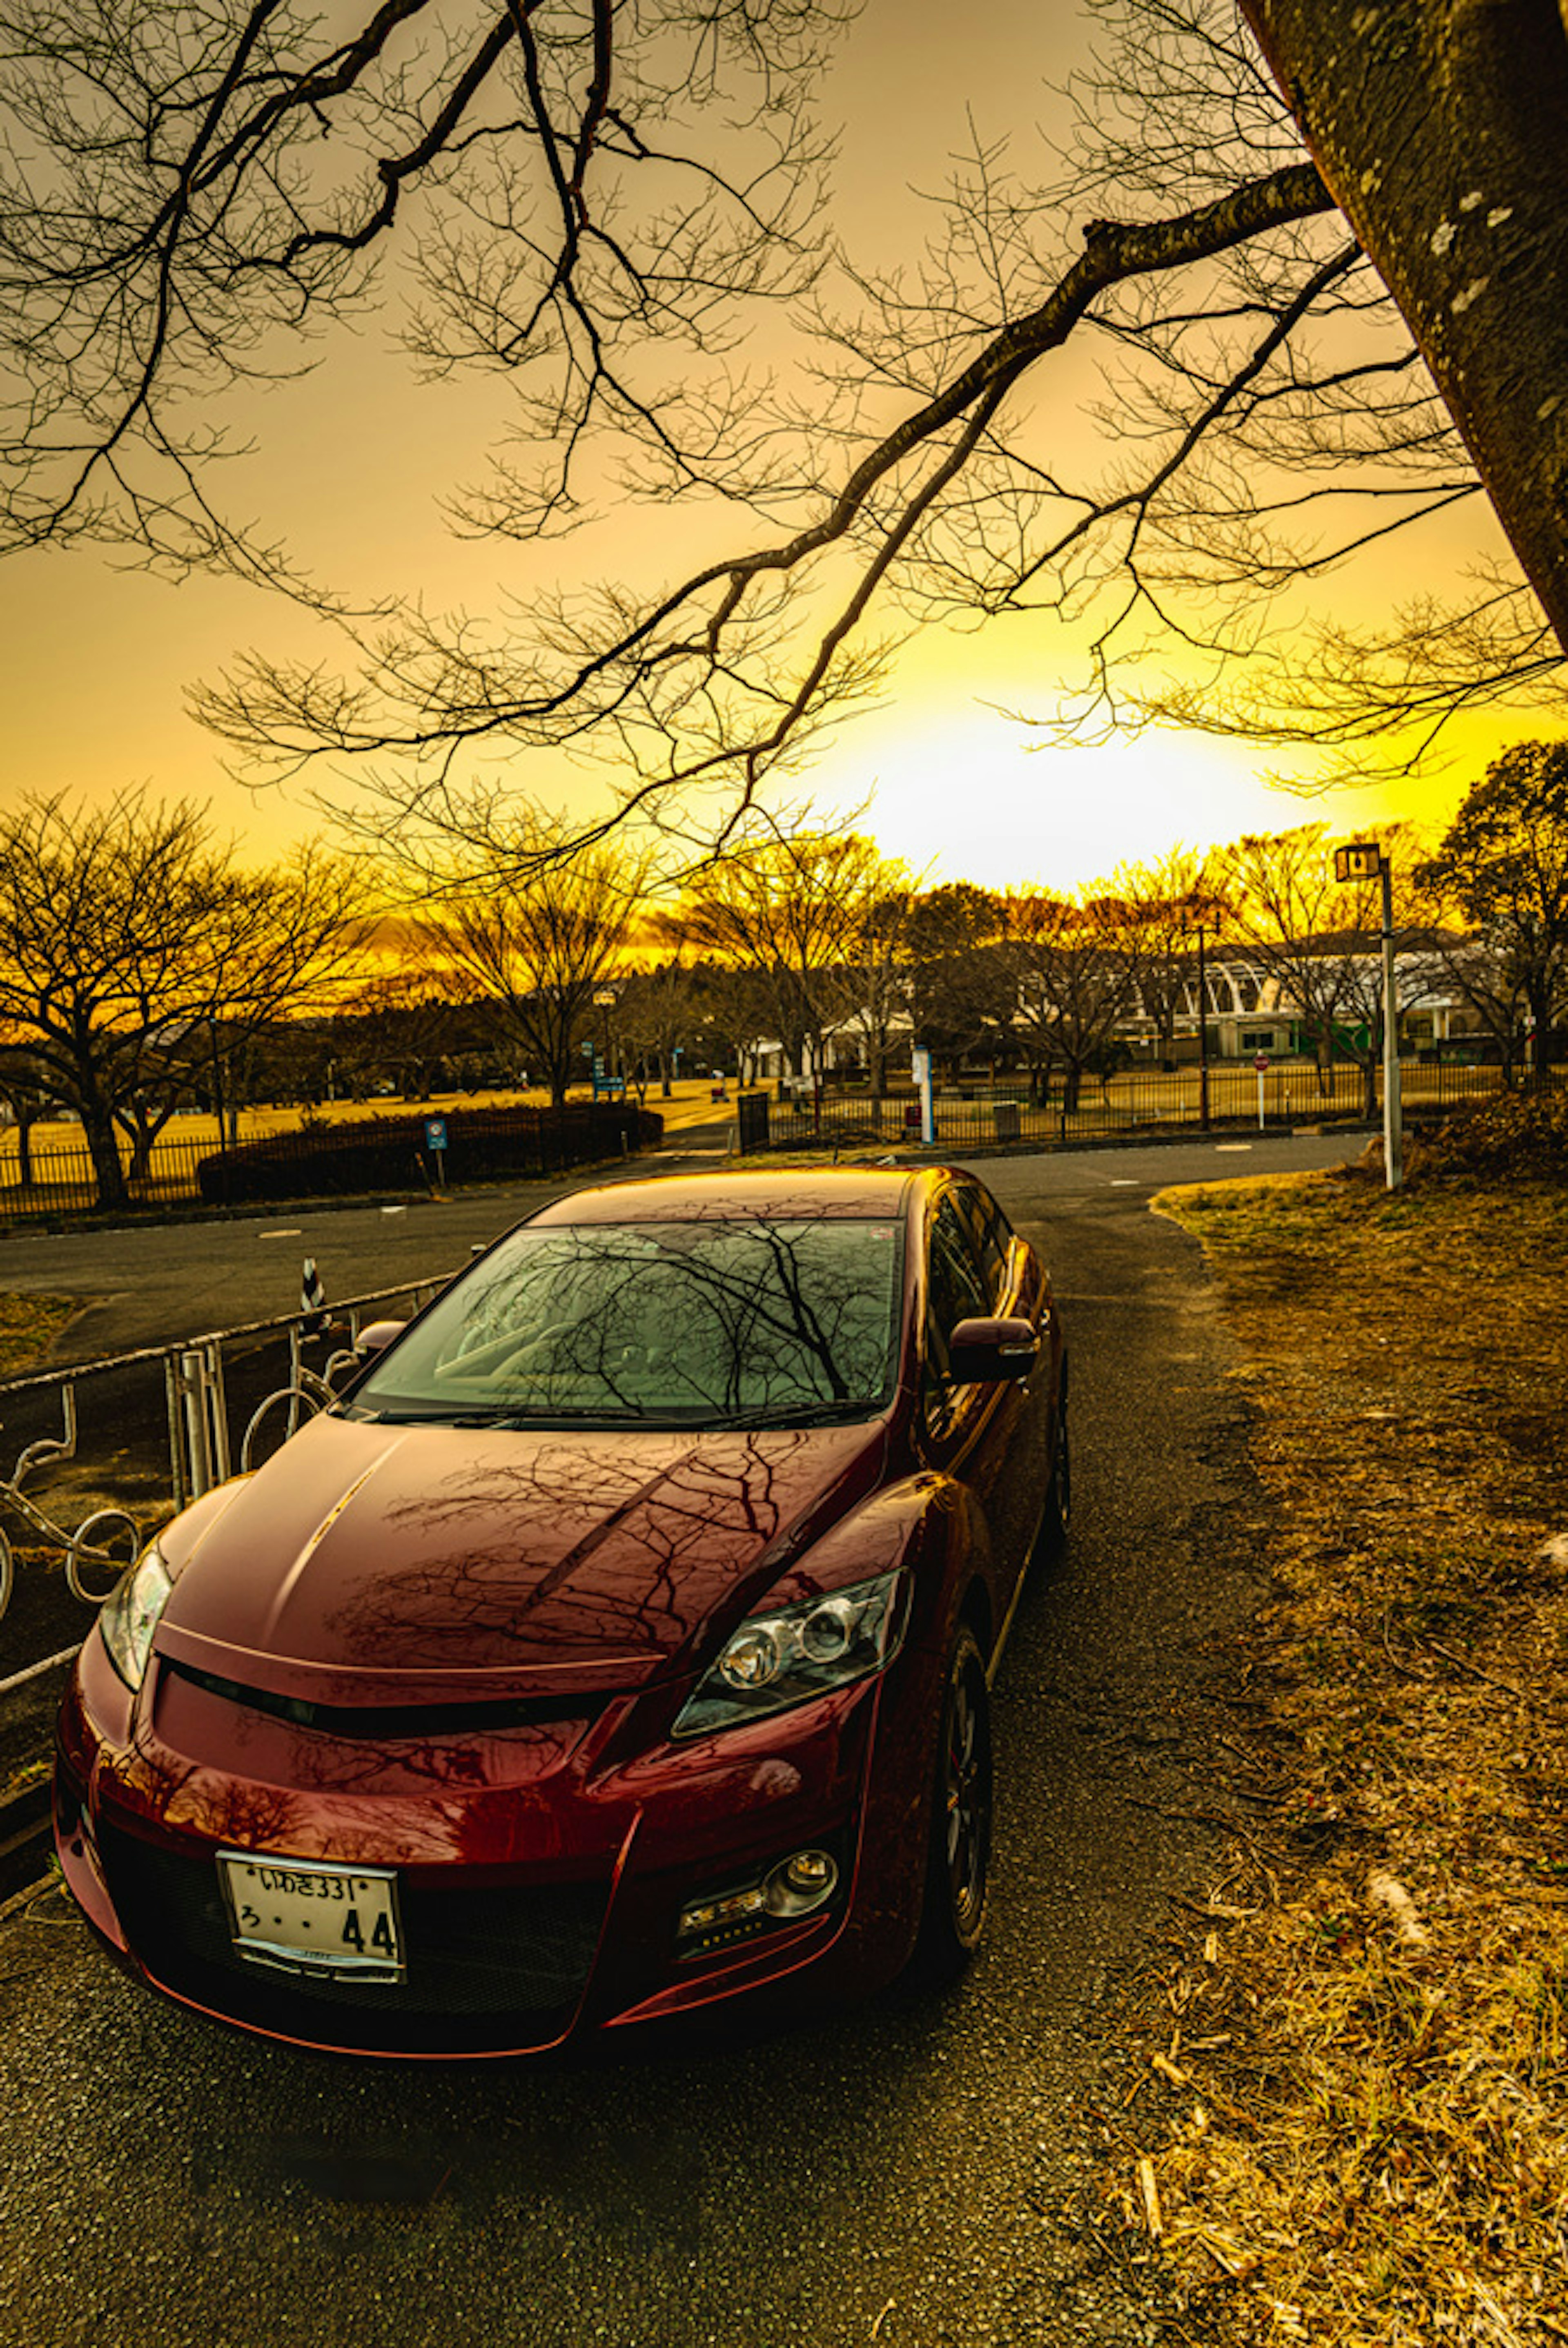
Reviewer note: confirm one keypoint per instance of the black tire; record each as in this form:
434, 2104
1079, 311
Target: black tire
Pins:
1052, 1538
957, 1863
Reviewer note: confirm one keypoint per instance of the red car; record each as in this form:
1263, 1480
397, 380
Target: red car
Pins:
617, 1645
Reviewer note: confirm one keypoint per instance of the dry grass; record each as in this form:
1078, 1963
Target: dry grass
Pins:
28, 1325
1348, 2120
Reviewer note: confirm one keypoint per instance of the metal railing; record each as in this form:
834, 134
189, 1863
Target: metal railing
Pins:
1158, 1103
365, 1156
200, 1451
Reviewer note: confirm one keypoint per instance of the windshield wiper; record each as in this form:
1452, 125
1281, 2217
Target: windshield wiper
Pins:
800, 1414
672, 1420
435, 1417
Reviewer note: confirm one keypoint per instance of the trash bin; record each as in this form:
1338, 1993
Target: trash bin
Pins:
1004, 1116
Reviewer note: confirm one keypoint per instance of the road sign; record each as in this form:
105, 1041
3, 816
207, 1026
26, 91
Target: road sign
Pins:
1261, 1061
1358, 860
434, 1133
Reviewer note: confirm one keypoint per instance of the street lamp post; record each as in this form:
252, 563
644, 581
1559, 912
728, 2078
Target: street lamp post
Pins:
1192, 920
1363, 860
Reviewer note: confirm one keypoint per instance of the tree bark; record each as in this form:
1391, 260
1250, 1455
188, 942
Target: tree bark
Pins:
103, 1148
1441, 129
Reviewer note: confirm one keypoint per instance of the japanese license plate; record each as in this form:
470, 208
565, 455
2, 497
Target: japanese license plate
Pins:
305, 1916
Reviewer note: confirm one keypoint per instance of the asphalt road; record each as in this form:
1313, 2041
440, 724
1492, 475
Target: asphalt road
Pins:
153, 1284
913, 2172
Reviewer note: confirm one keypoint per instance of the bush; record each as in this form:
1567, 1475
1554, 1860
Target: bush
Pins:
1514, 1135
389, 1153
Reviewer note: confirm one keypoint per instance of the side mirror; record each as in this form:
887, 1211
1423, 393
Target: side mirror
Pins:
984, 1353
376, 1336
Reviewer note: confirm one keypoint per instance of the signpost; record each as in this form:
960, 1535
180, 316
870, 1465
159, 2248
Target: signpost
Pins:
1261, 1065
1363, 860
920, 1068
1197, 915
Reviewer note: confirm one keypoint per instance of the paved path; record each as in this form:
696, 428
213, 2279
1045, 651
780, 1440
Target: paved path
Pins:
152, 1284
912, 2173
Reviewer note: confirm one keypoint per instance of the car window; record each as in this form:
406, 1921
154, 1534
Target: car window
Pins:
990, 1235
675, 1323
955, 1291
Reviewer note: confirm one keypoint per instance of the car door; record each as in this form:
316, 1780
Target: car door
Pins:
1017, 1285
978, 1433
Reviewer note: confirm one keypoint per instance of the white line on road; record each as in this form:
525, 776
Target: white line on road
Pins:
1232, 1145
293, 1232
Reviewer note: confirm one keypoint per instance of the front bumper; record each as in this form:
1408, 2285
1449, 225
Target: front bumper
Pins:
542, 1869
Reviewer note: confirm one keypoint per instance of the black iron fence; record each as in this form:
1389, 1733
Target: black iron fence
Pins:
400, 1154
1138, 1101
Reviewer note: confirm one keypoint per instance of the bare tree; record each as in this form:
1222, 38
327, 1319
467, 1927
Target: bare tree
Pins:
532, 945
587, 209
791, 906
25, 1090
128, 938
873, 971
1073, 984
656, 1012
1317, 939
1148, 910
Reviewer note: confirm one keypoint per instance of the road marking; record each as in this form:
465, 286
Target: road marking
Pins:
293, 1232
394, 1210
1124, 1182
1232, 1145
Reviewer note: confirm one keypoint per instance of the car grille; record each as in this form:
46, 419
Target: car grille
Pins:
483, 1717
486, 1967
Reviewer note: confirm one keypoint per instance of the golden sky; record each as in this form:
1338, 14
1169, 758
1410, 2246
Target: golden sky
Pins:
97, 660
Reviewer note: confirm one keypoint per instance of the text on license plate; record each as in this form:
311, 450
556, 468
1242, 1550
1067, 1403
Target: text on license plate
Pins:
312, 1917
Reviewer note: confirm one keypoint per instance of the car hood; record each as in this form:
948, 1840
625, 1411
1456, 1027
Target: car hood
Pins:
368, 1562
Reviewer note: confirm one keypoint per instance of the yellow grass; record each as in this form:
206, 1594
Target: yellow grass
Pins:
1352, 2089
28, 1325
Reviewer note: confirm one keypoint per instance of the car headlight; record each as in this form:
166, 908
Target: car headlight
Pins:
801, 1651
131, 1613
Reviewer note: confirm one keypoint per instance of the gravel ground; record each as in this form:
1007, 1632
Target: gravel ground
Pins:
908, 2172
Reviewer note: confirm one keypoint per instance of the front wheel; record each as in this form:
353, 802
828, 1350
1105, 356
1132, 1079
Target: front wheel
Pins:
958, 1863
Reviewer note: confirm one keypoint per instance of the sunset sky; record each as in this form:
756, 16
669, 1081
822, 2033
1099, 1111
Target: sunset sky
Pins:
97, 660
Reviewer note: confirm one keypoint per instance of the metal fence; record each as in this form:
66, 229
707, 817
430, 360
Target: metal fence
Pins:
1138, 1101
205, 1408
369, 1156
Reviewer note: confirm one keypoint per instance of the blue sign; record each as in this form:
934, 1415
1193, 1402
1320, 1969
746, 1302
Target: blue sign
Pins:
434, 1133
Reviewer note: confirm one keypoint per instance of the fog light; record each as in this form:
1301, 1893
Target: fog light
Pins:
802, 1883
716, 1915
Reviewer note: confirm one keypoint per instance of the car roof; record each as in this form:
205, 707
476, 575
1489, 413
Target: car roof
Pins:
837, 1193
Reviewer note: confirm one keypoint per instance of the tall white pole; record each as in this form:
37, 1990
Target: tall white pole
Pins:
1393, 1118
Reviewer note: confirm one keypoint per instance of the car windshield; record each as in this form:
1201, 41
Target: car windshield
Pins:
728, 1322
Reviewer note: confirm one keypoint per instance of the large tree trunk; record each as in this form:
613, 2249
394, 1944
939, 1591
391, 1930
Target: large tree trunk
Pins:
103, 1148
1441, 129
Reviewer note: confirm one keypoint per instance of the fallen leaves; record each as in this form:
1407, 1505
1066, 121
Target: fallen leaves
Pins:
1363, 2136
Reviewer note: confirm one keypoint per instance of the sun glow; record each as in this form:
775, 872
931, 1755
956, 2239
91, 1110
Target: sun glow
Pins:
971, 795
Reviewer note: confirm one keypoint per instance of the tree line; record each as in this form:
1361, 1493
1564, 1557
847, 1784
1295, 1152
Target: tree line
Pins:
144, 968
